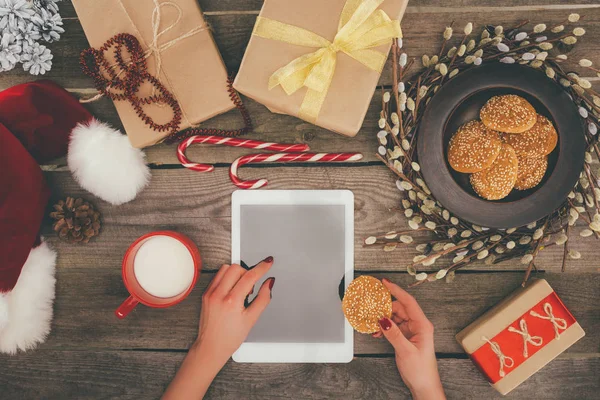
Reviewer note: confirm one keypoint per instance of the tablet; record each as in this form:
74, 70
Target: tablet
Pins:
310, 234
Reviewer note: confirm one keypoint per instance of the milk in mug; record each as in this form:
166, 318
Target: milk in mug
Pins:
163, 266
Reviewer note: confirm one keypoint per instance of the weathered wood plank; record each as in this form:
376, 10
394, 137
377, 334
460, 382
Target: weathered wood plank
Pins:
232, 31
88, 294
268, 127
414, 6
136, 375
198, 205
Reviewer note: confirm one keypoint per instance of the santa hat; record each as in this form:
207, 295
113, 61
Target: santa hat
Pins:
48, 121
39, 122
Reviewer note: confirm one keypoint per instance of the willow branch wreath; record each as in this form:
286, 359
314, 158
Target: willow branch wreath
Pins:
538, 46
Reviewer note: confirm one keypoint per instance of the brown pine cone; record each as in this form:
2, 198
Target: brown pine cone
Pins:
76, 220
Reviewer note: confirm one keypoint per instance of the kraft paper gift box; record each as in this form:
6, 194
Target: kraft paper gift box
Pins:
353, 83
191, 66
520, 335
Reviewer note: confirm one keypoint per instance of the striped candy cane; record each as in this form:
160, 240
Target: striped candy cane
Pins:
229, 141
283, 157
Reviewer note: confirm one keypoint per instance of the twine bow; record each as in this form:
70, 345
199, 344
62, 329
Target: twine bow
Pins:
557, 323
153, 47
527, 338
505, 361
361, 27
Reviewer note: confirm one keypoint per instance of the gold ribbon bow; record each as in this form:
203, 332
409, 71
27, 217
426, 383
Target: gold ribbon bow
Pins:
361, 27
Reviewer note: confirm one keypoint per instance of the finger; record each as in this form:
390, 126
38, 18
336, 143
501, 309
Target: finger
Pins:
249, 279
393, 334
217, 278
411, 307
399, 311
230, 278
404, 328
401, 319
261, 301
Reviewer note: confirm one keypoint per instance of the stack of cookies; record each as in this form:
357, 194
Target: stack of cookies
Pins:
508, 149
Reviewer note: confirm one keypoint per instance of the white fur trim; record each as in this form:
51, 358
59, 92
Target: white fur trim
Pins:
104, 163
28, 307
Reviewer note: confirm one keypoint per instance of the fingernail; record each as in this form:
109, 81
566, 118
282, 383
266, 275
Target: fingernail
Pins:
268, 259
385, 324
271, 283
385, 280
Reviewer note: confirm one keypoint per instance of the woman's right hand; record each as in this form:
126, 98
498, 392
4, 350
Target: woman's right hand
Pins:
225, 318
411, 334
225, 321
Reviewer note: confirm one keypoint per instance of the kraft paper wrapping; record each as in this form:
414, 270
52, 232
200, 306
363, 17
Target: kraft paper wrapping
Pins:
353, 84
192, 69
506, 313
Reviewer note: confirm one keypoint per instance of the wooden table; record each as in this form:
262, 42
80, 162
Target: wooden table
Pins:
91, 354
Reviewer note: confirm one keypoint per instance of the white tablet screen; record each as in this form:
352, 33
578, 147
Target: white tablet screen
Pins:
307, 242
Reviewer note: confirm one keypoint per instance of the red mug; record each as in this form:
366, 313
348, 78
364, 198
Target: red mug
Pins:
137, 294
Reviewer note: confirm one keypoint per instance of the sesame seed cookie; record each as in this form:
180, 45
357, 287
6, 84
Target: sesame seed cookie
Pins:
508, 113
536, 142
531, 172
473, 147
365, 302
497, 181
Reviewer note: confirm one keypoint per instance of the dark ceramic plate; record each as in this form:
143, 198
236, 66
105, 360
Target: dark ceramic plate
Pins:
458, 102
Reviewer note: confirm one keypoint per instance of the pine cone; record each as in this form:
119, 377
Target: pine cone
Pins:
76, 220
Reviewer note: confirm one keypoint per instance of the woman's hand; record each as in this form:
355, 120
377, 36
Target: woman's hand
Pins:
411, 334
225, 321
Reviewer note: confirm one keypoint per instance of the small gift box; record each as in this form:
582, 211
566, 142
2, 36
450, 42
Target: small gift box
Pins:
320, 60
520, 335
179, 51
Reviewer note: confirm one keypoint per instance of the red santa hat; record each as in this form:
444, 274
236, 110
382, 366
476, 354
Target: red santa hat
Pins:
39, 122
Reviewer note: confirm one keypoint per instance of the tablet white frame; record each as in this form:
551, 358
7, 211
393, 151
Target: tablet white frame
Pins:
297, 352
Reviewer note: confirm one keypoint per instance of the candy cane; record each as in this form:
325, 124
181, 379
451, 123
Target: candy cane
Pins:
283, 157
234, 142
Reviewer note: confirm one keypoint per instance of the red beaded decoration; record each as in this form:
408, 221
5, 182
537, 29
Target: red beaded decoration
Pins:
128, 78
237, 101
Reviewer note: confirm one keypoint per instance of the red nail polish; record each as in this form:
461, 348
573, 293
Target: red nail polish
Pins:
271, 283
268, 259
385, 324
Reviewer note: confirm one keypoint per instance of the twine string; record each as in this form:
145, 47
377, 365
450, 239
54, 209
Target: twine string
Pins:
154, 48
527, 338
557, 323
505, 361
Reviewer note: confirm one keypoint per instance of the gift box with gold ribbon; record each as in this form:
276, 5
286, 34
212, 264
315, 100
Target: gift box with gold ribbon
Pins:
320, 60
520, 335
179, 51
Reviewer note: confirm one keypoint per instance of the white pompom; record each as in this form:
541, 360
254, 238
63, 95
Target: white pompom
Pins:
104, 163
27, 309
3, 311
